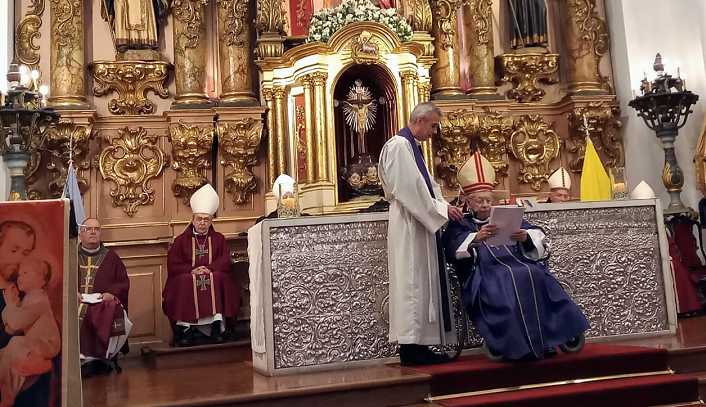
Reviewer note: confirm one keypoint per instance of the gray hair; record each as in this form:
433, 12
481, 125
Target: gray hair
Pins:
423, 110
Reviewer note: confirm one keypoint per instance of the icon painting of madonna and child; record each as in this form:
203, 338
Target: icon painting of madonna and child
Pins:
33, 258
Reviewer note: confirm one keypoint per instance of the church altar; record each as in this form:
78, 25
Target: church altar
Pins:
319, 285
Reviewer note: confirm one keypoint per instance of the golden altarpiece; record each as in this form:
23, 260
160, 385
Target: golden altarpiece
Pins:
157, 103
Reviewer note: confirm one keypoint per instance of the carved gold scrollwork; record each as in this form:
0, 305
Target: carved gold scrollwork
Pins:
131, 80
67, 140
131, 160
457, 130
603, 127
525, 71
482, 19
271, 26
594, 31
240, 141
191, 155
495, 130
421, 17
445, 12
188, 12
535, 144
236, 22
28, 33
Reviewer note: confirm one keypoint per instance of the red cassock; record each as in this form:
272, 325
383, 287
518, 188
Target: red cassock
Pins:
188, 297
687, 267
102, 272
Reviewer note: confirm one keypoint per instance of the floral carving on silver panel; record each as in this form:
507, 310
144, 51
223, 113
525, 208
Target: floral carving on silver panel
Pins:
608, 260
329, 293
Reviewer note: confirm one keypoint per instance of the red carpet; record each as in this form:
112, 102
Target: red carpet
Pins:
596, 361
474, 373
637, 392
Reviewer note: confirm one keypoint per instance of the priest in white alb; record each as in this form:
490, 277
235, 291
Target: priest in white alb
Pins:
417, 212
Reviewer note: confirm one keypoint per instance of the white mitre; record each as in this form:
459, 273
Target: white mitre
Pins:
283, 184
642, 191
560, 179
205, 200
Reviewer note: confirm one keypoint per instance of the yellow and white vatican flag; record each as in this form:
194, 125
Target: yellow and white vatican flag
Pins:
595, 182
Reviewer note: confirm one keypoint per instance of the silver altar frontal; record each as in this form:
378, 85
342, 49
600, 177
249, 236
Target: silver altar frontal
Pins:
319, 285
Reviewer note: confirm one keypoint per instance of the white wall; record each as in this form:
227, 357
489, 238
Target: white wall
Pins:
5, 57
639, 29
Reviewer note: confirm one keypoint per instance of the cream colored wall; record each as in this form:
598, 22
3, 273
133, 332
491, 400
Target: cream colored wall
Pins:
639, 29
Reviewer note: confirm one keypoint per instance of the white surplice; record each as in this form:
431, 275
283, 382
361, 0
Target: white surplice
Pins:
414, 217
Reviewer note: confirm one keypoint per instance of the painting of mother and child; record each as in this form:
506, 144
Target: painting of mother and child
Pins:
33, 257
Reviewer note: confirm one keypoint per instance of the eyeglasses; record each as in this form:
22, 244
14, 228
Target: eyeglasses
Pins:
202, 220
90, 228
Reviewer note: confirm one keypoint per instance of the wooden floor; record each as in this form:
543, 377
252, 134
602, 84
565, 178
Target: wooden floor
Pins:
238, 384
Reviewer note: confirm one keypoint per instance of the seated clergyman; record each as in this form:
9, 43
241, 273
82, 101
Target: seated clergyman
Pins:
201, 292
518, 307
103, 288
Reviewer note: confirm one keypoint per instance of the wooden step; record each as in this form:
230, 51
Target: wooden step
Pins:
653, 390
166, 357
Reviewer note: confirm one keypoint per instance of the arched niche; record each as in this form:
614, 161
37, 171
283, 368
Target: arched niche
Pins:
357, 167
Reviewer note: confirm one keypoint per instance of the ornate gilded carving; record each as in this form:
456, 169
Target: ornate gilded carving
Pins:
191, 155
421, 16
424, 88
27, 33
131, 80
458, 128
593, 30
482, 20
131, 160
271, 27
365, 49
190, 52
236, 24
67, 54
239, 141
587, 41
445, 13
535, 144
525, 71
188, 12
603, 128
67, 141
495, 130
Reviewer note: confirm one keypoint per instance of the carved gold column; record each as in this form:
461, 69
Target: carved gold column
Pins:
308, 84
270, 24
68, 83
235, 52
424, 90
319, 79
280, 96
189, 52
478, 21
409, 93
587, 41
268, 96
445, 74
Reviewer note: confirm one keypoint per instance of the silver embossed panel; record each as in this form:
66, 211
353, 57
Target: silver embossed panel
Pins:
329, 293
330, 281
608, 260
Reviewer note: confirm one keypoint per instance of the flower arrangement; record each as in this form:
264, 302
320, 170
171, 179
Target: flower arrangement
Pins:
326, 22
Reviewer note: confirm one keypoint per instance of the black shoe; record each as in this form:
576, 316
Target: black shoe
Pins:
95, 368
418, 355
216, 336
183, 337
